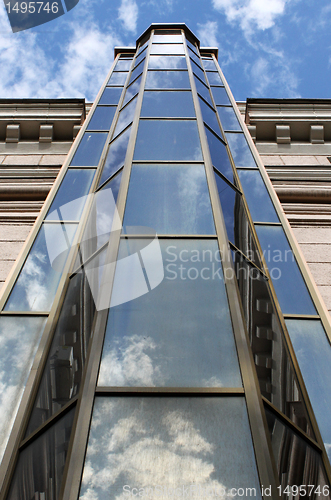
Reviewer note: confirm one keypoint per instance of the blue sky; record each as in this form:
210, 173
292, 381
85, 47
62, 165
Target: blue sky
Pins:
267, 48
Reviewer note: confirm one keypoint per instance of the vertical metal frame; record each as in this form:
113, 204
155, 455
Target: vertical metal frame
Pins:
261, 442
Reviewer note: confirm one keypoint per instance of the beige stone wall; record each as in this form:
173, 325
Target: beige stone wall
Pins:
12, 238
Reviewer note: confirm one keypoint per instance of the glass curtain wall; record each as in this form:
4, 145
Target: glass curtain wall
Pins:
154, 292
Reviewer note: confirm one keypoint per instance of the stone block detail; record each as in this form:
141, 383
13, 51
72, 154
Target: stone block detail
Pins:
13, 132
252, 131
317, 134
46, 133
283, 134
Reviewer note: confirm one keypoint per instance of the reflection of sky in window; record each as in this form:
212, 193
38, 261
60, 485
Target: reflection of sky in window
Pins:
230, 202
167, 39
137, 71
111, 95
102, 118
115, 156
167, 62
180, 333
167, 80
132, 90
171, 199
168, 140
36, 285
240, 150
219, 155
89, 149
71, 195
170, 48
209, 64
117, 79
228, 118
167, 104
313, 352
203, 90
287, 279
19, 339
209, 116
126, 116
220, 95
168, 442
258, 199
214, 78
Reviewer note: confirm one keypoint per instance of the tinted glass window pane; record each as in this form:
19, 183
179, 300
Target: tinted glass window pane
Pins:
214, 78
209, 64
167, 62
167, 104
126, 116
43, 463
219, 155
195, 58
203, 90
257, 196
143, 46
170, 199
66, 359
102, 118
180, 331
173, 48
89, 149
167, 80
220, 95
19, 340
228, 118
115, 156
302, 458
132, 90
117, 79
233, 211
123, 65
197, 69
192, 47
103, 213
313, 351
137, 71
111, 95
71, 196
168, 140
182, 442
167, 39
241, 153
290, 287
36, 285
139, 58
209, 116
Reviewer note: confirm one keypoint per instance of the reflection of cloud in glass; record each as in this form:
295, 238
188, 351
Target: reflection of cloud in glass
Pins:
167, 80
194, 198
19, 339
168, 443
167, 62
125, 117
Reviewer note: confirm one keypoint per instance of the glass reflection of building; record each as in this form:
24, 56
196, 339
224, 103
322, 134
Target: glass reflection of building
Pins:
207, 373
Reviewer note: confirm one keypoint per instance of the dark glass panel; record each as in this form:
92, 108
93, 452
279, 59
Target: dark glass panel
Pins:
233, 211
167, 62
126, 116
219, 155
70, 199
257, 196
167, 32
167, 38
202, 89
137, 71
171, 199
167, 104
167, 80
115, 156
132, 90
117, 78
195, 58
111, 95
170, 48
89, 150
179, 334
191, 46
102, 118
241, 153
298, 463
220, 95
102, 215
168, 140
38, 280
66, 359
143, 46
290, 287
228, 118
140, 57
123, 65
209, 116
313, 351
197, 69
213, 77
209, 64
192, 447
40, 466
19, 340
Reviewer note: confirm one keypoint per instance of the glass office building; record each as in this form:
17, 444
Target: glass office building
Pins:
160, 333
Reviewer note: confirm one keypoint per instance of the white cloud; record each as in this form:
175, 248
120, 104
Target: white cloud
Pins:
207, 34
251, 14
128, 14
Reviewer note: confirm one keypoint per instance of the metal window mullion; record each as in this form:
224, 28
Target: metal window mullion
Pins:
261, 442
76, 454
